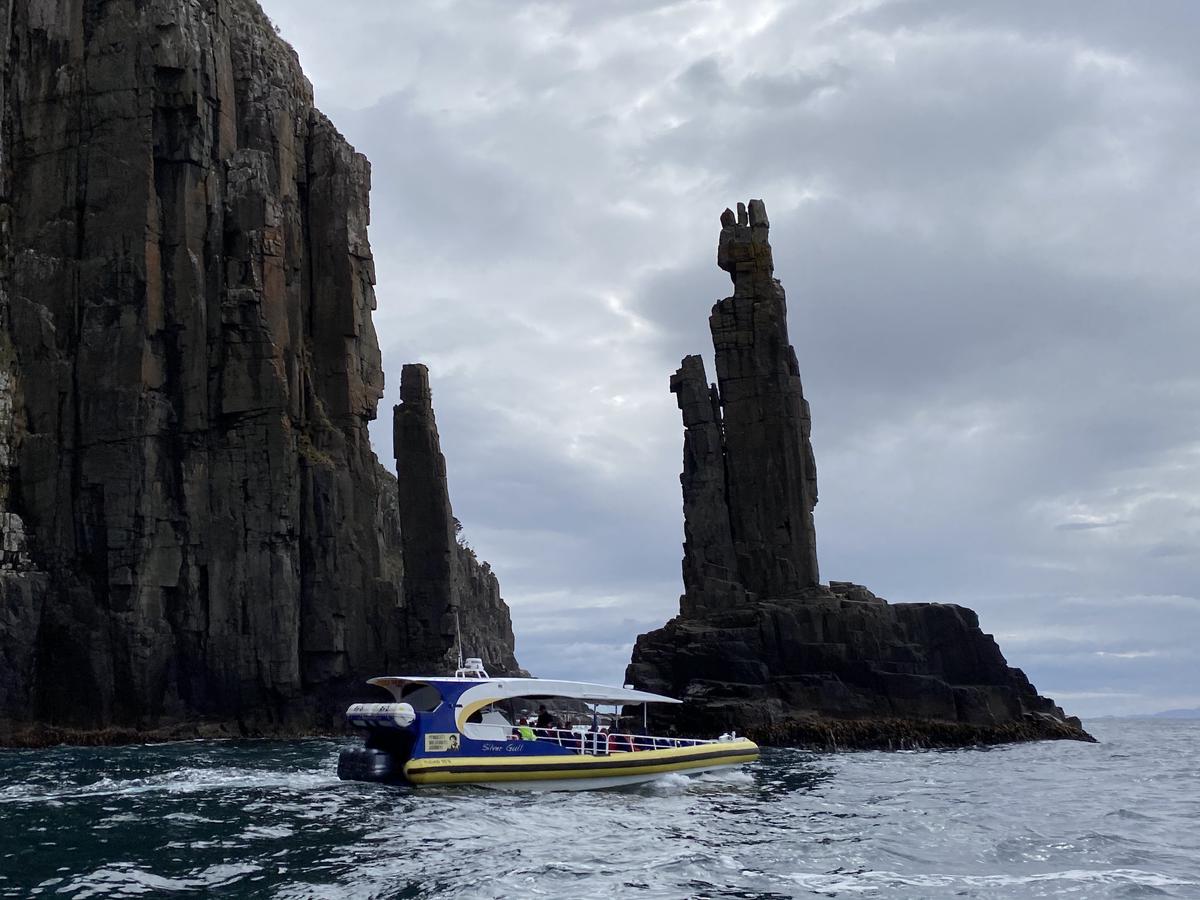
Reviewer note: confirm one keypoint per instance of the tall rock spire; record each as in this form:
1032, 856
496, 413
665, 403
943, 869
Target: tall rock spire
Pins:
749, 480
768, 455
710, 565
426, 519
446, 588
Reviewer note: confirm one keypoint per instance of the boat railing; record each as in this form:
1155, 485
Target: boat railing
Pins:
602, 743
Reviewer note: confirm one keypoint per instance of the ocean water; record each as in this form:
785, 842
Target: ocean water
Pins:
270, 819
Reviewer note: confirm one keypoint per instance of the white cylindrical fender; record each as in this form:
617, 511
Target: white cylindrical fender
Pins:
381, 715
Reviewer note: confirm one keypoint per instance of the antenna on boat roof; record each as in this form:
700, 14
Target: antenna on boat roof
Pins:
472, 667
458, 633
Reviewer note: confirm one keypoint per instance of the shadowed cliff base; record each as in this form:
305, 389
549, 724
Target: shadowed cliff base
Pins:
908, 734
760, 645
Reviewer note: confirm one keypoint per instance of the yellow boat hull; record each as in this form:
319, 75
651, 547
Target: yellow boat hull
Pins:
578, 771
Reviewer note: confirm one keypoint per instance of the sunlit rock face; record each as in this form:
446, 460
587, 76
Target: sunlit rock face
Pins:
760, 644
189, 368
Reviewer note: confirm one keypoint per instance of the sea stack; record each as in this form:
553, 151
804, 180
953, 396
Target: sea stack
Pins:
749, 478
760, 644
197, 537
447, 589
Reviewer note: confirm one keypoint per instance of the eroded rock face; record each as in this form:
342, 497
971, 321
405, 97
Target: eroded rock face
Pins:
760, 645
771, 473
749, 478
187, 291
23, 588
711, 574
446, 588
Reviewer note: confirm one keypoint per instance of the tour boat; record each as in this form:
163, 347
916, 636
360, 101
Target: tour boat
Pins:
471, 729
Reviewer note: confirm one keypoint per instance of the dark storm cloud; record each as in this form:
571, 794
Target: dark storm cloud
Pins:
985, 217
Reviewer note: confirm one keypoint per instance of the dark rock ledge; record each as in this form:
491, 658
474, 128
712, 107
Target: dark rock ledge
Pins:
760, 645
40, 736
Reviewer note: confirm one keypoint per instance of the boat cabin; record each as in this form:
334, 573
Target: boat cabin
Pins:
472, 713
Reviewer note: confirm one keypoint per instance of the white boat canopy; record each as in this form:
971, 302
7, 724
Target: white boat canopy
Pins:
483, 692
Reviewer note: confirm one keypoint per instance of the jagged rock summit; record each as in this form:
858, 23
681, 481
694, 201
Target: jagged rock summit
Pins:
194, 530
761, 645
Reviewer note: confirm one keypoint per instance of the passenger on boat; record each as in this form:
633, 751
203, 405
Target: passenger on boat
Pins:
620, 743
545, 719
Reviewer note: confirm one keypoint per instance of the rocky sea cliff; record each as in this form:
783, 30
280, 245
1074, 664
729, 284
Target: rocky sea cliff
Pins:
197, 537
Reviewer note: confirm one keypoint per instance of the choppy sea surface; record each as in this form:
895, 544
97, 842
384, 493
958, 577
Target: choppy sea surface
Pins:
270, 819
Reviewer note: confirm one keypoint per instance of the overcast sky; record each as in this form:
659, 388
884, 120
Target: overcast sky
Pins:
986, 216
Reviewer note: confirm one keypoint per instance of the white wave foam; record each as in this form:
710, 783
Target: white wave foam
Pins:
268, 831
670, 783
679, 782
870, 881
122, 880
181, 781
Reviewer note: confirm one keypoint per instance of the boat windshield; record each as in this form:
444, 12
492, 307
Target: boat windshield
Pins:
422, 697
489, 724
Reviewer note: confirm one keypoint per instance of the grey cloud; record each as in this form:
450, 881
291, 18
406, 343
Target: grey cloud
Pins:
1171, 549
1163, 35
705, 81
581, 16
983, 215
1114, 647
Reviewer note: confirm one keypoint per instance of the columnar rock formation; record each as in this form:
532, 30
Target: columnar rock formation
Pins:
445, 587
22, 587
711, 574
426, 519
770, 472
187, 370
762, 646
749, 478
